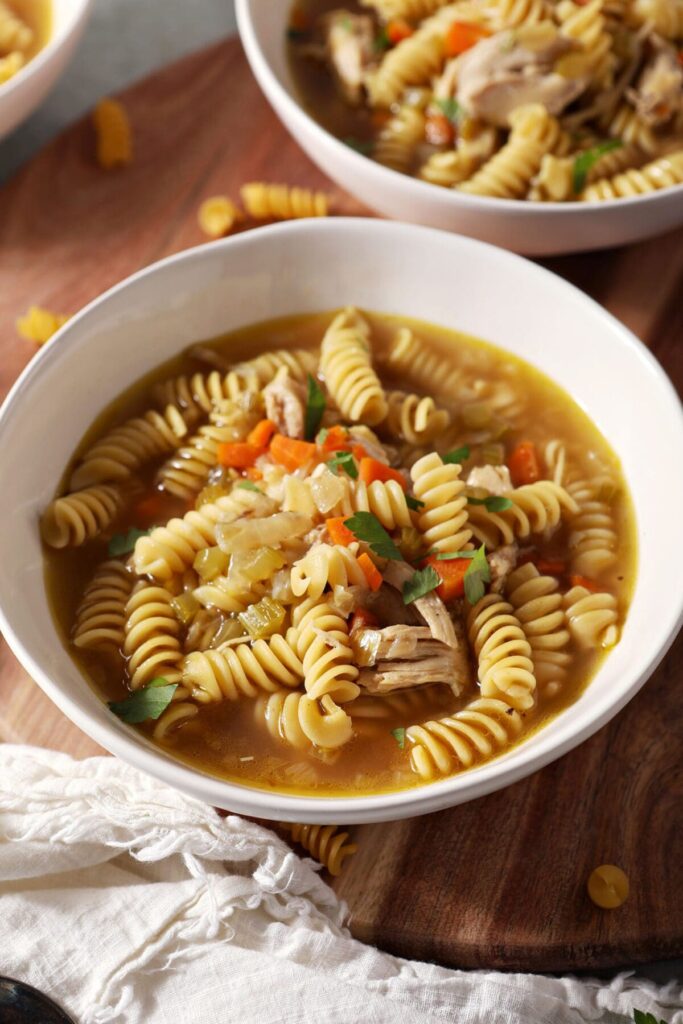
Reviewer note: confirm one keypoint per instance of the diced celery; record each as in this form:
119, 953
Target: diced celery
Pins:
281, 586
209, 563
258, 564
493, 454
476, 415
210, 493
244, 533
185, 606
263, 619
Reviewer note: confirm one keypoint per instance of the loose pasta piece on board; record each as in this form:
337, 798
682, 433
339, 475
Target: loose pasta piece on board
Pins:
114, 134
40, 324
283, 202
325, 843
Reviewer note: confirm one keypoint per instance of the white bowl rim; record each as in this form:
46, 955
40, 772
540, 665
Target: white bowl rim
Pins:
55, 42
385, 806
425, 189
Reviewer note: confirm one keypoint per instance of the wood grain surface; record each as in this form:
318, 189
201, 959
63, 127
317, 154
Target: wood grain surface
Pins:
496, 883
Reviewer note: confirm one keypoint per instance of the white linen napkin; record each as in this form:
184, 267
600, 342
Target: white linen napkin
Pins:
128, 902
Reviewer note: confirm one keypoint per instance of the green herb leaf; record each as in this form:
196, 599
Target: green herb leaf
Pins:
584, 161
315, 407
420, 583
150, 702
345, 461
451, 109
478, 573
494, 503
381, 42
247, 485
640, 1017
124, 543
459, 455
321, 436
366, 527
362, 146
400, 736
414, 503
448, 556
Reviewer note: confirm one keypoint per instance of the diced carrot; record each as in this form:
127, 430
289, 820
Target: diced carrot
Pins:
359, 452
461, 36
439, 131
262, 433
290, 453
238, 454
252, 473
452, 574
339, 534
372, 469
336, 440
398, 29
379, 118
550, 566
149, 510
363, 618
523, 464
583, 581
370, 571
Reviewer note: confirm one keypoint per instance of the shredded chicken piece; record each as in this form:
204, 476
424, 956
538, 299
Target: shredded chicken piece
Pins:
387, 604
402, 657
285, 405
657, 95
501, 563
511, 69
494, 479
350, 50
430, 607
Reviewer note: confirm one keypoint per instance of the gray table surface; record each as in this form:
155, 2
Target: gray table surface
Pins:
125, 40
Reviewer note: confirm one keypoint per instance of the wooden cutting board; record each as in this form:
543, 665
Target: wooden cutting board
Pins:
496, 883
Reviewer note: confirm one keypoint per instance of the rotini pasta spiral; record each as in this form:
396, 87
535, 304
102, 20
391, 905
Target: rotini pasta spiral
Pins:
173, 718
665, 15
507, 174
229, 594
151, 642
172, 548
592, 618
504, 655
326, 565
535, 508
593, 537
443, 521
476, 733
325, 843
555, 458
398, 138
322, 643
447, 169
414, 10
403, 703
662, 173
280, 711
9, 66
281, 202
325, 724
39, 324
347, 368
627, 126
585, 25
124, 449
76, 518
199, 393
101, 615
537, 604
242, 670
410, 357
386, 501
415, 419
114, 134
513, 13
15, 34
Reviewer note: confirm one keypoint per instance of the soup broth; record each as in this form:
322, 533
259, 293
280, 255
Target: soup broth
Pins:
494, 407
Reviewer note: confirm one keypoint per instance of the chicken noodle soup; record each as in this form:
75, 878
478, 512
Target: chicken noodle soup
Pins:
512, 99
375, 554
25, 27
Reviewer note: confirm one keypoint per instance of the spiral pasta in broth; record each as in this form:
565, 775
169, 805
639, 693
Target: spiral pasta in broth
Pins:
344, 552
569, 100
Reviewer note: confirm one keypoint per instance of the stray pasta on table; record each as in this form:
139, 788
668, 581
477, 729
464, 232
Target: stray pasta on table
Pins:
371, 555
543, 100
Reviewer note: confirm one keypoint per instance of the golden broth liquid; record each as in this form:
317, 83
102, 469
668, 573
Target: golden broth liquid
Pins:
37, 14
230, 739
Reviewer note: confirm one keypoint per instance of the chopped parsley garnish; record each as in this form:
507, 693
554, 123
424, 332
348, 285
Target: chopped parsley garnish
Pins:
362, 146
414, 503
150, 702
448, 556
451, 109
420, 583
366, 527
584, 161
315, 407
457, 456
641, 1017
247, 485
478, 573
345, 461
493, 503
400, 736
124, 543
381, 42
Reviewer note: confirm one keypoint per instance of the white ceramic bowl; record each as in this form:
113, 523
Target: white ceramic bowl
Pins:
531, 228
310, 266
20, 96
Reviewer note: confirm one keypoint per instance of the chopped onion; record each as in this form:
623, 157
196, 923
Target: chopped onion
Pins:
281, 586
257, 564
327, 490
245, 533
